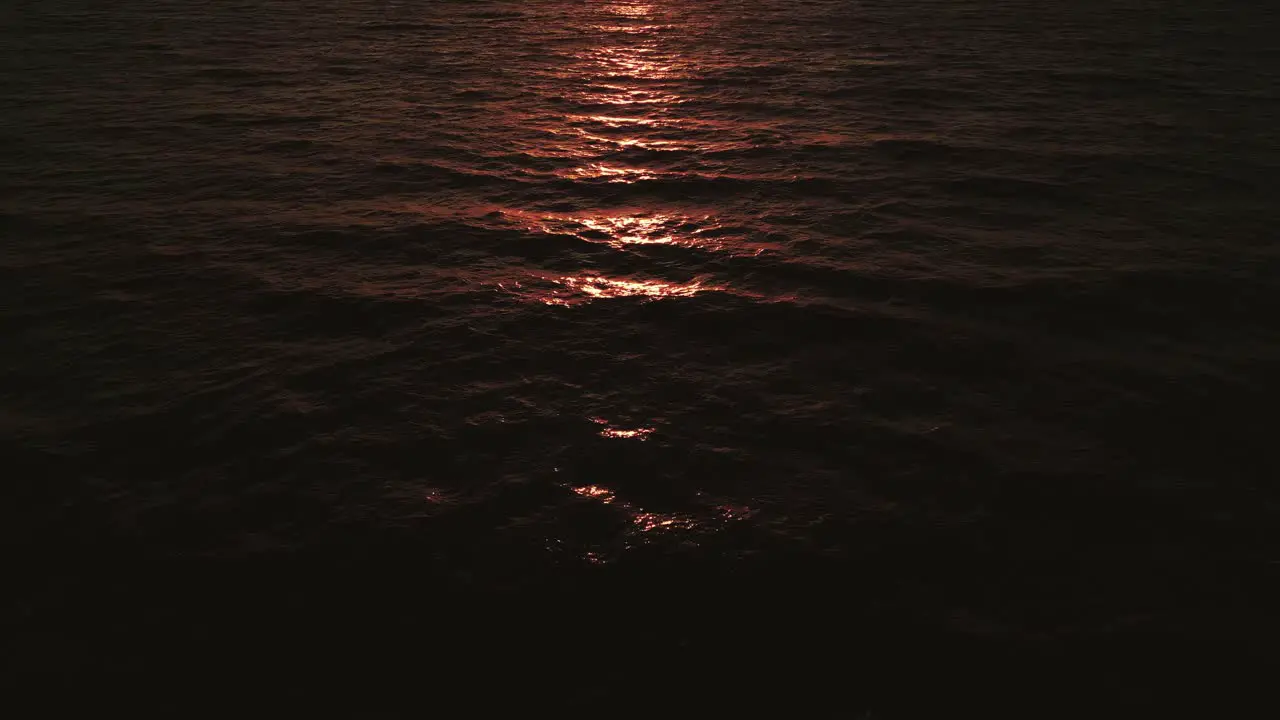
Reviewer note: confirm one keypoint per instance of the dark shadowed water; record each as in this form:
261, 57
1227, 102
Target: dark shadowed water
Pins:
891, 330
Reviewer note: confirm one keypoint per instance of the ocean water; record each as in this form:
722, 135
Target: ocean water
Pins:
942, 319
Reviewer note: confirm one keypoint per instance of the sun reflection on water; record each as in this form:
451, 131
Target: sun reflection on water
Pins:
613, 431
634, 229
595, 492
629, 70
613, 173
642, 63
598, 286
648, 522
622, 229
630, 9
645, 521
626, 131
572, 290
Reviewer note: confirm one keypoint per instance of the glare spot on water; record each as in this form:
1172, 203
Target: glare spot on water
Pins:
638, 433
630, 9
595, 492
622, 229
648, 522
587, 287
612, 431
602, 287
634, 230
616, 122
613, 173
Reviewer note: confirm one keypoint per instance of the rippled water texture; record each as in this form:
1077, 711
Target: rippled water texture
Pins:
985, 290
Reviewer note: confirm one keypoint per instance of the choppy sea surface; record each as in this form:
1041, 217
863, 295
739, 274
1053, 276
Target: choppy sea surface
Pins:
944, 319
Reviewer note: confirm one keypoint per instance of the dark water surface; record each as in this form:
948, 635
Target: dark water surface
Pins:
721, 352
